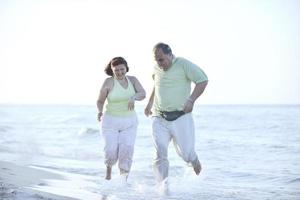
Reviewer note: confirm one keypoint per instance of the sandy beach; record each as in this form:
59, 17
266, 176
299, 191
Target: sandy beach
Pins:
19, 182
28, 182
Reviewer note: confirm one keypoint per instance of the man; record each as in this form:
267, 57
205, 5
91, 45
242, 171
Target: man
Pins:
173, 103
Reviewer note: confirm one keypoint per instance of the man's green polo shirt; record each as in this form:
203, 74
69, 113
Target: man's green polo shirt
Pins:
173, 87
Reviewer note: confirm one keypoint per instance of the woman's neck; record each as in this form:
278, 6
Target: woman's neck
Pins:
121, 78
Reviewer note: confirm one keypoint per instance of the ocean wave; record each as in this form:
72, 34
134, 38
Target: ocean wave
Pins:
87, 131
4, 129
296, 180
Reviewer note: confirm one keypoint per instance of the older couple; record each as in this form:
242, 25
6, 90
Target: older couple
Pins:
170, 105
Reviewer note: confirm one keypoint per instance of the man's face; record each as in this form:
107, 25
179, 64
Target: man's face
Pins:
164, 61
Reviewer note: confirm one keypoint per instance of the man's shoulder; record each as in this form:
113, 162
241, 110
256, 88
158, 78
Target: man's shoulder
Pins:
181, 60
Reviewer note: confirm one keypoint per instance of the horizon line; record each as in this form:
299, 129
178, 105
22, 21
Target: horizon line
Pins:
139, 104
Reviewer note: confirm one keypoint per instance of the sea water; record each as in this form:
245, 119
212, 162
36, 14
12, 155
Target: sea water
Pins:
247, 152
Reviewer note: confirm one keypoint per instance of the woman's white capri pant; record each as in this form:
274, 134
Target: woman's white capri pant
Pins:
119, 135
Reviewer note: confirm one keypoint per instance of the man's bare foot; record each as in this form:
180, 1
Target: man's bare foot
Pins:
163, 187
108, 173
197, 166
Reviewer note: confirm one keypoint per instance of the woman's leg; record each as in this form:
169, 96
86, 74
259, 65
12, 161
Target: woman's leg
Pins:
108, 172
110, 136
127, 138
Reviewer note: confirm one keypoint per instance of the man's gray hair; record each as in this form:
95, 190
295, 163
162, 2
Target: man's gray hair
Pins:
164, 47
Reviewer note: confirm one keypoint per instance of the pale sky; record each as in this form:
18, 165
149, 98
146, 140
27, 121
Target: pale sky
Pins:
55, 51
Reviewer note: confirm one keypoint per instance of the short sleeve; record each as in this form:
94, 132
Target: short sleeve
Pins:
193, 72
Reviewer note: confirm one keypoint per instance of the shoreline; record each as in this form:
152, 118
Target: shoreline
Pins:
19, 182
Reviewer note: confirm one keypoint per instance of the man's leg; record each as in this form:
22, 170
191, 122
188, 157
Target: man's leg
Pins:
197, 166
183, 132
161, 139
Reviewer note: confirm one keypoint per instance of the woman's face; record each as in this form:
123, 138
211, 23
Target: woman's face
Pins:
119, 71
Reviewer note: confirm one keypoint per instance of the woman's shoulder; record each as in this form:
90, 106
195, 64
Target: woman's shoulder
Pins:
108, 81
133, 79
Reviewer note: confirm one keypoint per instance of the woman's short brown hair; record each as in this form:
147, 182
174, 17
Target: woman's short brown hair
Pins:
114, 62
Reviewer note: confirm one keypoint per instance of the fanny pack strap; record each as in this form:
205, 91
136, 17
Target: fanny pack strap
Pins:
171, 115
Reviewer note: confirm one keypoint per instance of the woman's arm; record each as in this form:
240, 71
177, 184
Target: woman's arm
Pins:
102, 97
140, 93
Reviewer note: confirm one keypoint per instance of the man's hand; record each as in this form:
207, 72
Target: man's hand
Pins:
99, 116
188, 106
147, 111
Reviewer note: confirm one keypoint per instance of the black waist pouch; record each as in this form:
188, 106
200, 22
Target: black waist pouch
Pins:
172, 115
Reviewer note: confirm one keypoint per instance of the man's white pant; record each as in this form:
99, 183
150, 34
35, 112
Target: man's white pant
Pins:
119, 135
182, 132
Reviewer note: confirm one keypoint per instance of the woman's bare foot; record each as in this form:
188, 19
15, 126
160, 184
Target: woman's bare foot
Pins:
124, 174
108, 173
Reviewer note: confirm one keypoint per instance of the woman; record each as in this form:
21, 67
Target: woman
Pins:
119, 122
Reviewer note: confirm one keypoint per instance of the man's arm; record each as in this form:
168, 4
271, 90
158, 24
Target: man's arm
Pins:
198, 90
147, 110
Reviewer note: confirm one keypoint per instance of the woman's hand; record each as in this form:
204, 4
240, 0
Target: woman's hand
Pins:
131, 103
